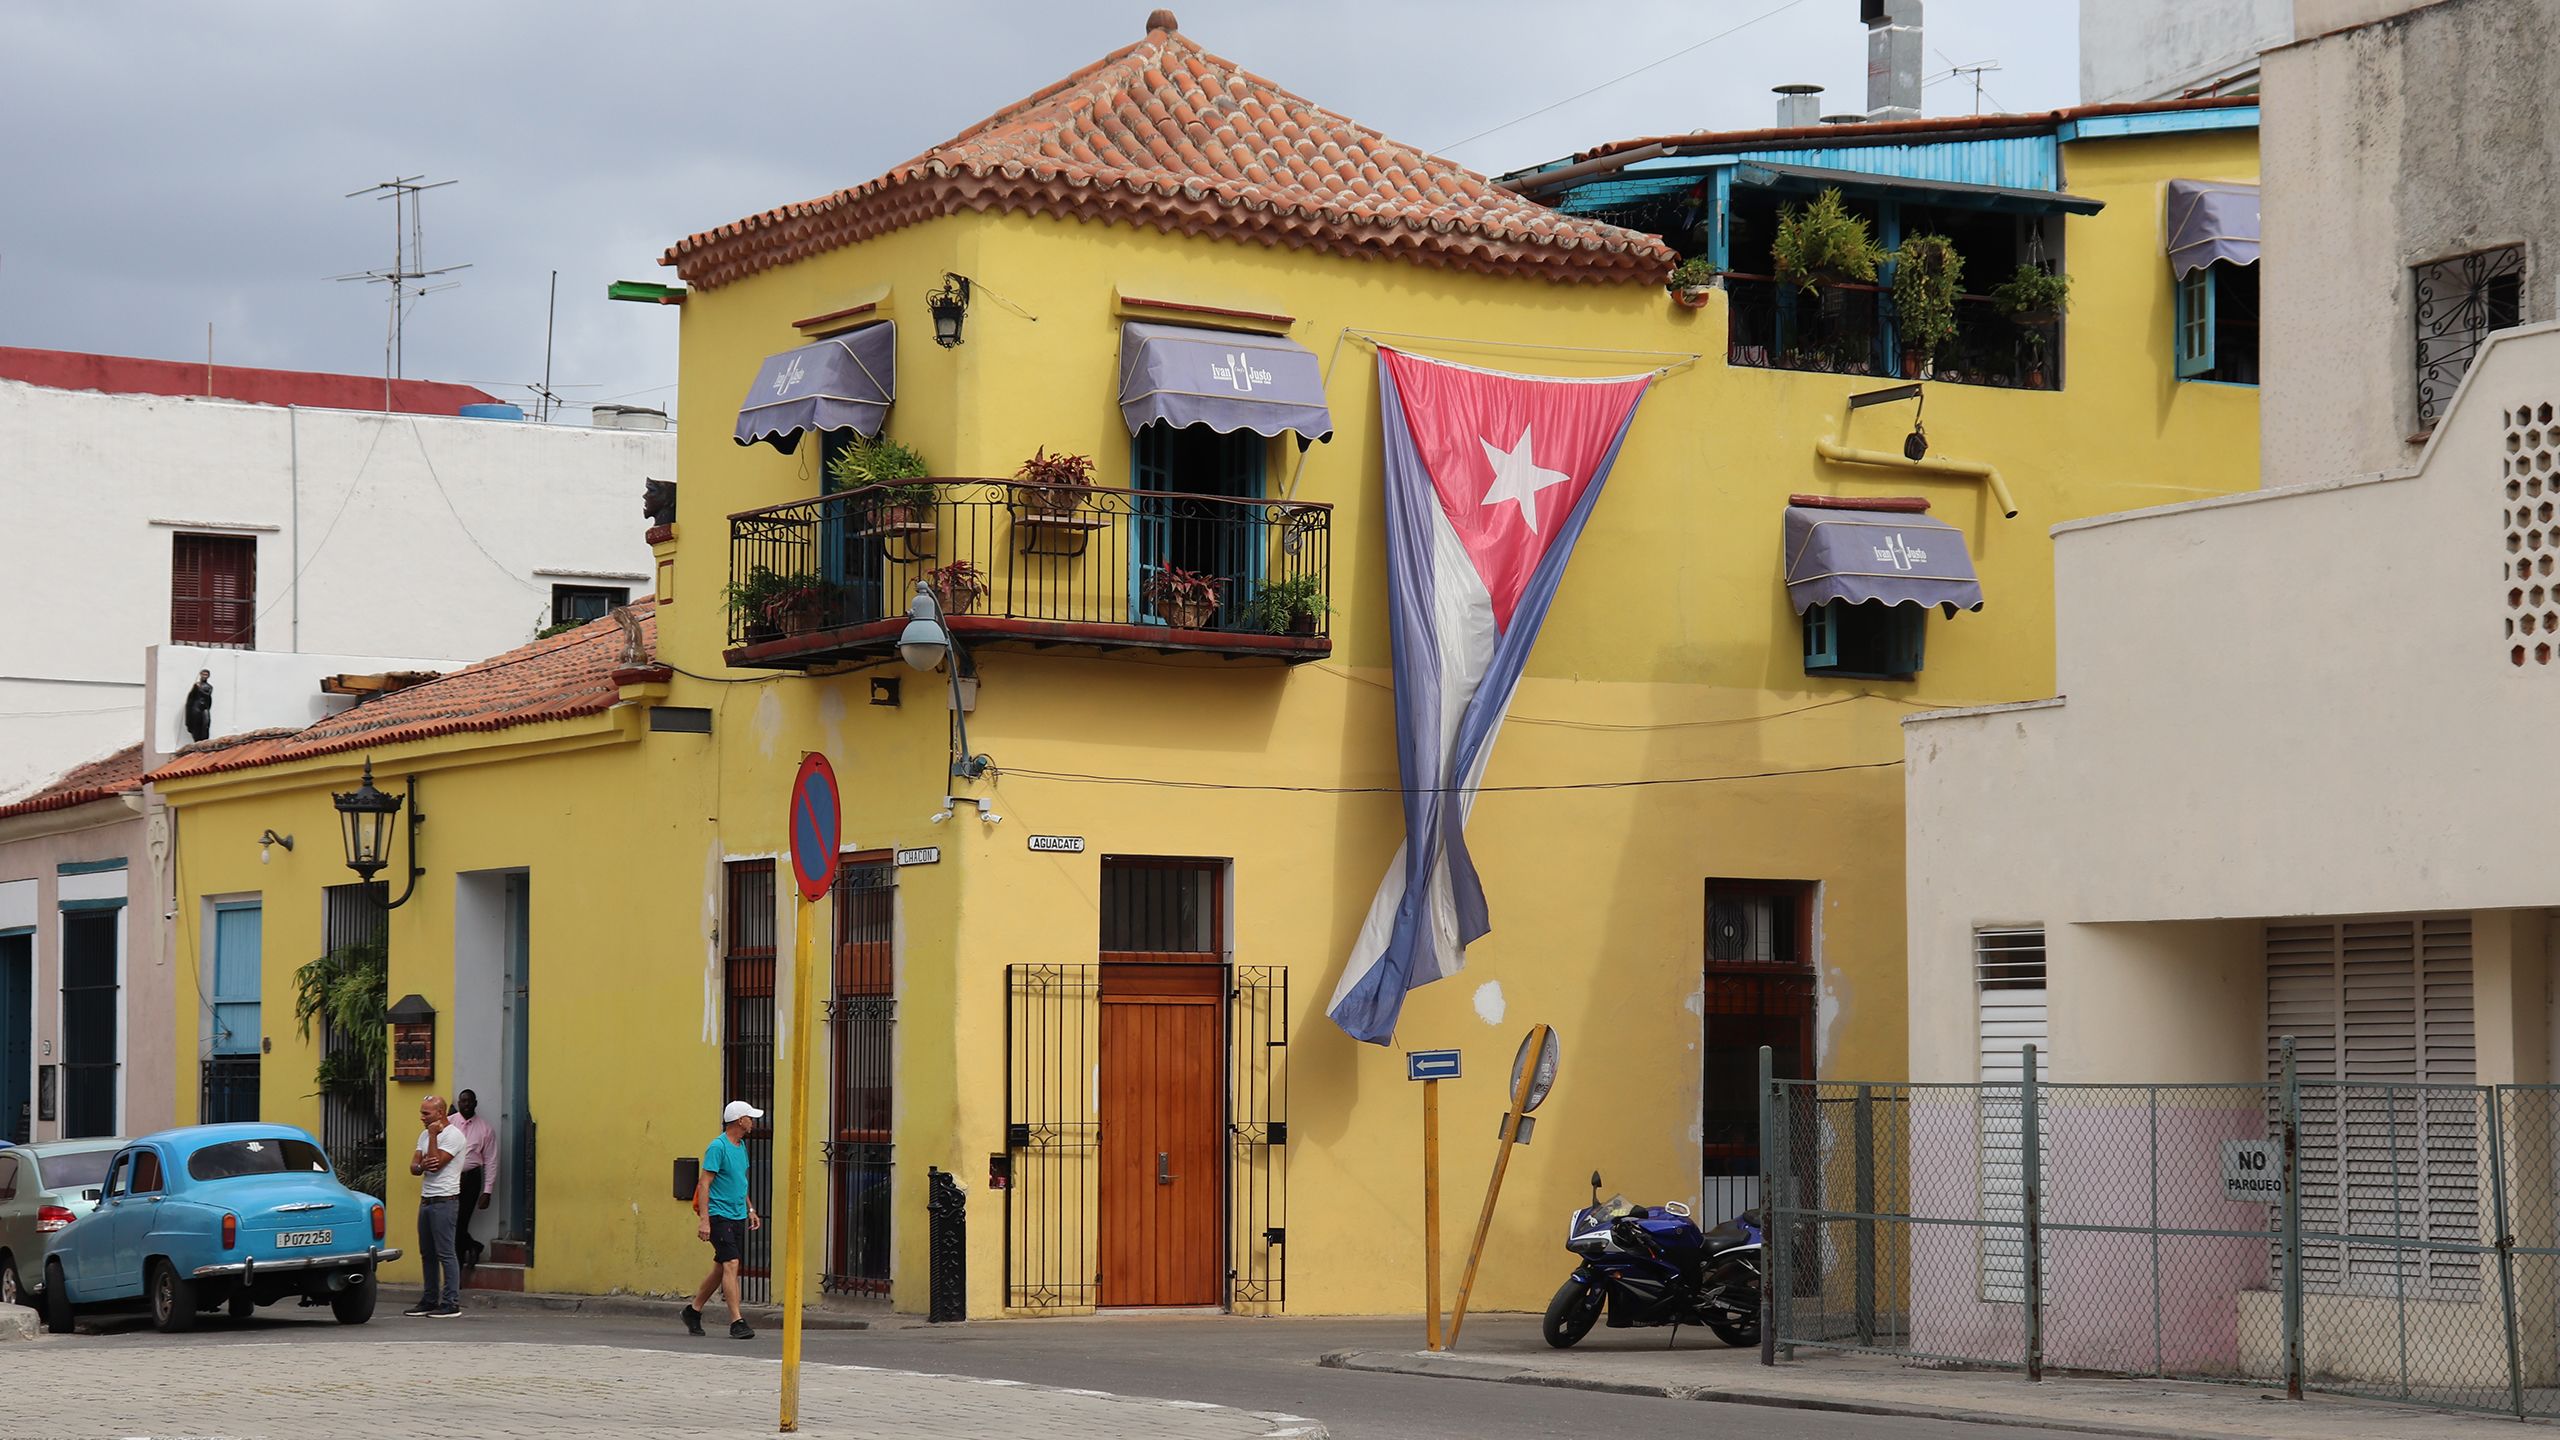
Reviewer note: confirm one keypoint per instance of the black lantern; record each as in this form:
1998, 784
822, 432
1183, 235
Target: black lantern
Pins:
365, 815
949, 305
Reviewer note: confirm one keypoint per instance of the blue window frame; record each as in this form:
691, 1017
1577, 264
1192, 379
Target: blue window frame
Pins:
1871, 641
238, 943
2216, 333
2195, 322
1182, 476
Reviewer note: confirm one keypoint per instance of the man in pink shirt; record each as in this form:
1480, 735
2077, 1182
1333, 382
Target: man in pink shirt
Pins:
479, 1170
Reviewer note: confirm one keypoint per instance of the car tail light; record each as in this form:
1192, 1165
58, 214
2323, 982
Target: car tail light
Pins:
230, 1230
52, 1218
377, 1222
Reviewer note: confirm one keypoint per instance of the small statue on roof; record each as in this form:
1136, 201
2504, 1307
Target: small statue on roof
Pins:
198, 715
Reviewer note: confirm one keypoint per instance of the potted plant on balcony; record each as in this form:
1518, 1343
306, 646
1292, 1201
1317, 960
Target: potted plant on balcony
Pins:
1058, 483
893, 473
1926, 272
957, 585
1287, 607
1820, 243
1186, 599
774, 604
2034, 299
1691, 279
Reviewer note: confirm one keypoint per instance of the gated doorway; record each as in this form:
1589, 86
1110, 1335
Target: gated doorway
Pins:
746, 1048
1759, 990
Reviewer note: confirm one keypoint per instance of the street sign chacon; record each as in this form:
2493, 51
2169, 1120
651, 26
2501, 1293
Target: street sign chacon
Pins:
1431, 1065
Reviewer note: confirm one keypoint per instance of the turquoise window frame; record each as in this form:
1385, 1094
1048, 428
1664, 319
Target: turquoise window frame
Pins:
1243, 463
1906, 643
237, 978
2193, 335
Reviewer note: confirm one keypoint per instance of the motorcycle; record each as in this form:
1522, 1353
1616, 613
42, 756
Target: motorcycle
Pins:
1650, 1265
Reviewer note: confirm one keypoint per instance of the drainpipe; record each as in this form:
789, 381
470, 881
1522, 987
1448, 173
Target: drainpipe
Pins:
293, 432
1839, 452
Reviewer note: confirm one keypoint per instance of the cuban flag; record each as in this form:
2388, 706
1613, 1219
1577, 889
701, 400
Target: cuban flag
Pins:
1490, 479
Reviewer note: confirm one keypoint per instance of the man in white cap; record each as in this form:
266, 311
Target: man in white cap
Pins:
727, 1214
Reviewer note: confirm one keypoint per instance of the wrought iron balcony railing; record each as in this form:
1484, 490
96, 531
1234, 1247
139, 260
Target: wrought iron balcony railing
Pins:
828, 580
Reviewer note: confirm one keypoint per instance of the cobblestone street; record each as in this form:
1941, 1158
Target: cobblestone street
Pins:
248, 1390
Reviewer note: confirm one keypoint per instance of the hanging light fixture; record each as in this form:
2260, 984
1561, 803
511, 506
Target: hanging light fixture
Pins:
949, 306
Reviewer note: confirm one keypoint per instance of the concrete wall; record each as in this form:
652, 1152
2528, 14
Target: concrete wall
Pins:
2423, 136
410, 534
2160, 49
253, 689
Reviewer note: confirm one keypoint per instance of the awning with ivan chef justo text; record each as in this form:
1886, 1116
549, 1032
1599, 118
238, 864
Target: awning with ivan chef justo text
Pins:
844, 382
1227, 380
1893, 556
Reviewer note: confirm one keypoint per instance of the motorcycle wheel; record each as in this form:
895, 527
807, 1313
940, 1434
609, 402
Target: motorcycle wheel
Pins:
1572, 1313
1738, 1331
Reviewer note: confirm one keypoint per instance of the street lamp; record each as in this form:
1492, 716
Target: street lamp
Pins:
364, 817
948, 306
927, 642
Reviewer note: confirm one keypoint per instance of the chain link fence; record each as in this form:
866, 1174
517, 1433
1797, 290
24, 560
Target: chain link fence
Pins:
2389, 1241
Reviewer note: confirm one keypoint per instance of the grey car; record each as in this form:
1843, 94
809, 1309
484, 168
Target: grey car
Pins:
43, 1188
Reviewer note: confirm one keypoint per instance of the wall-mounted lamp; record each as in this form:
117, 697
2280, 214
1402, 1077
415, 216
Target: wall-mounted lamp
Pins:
884, 690
949, 306
365, 815
272, 838
927, 642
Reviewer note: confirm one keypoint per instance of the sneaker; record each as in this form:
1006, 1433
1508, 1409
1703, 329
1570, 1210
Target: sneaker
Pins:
740, 1330
692, 1321
444, 1312
419, 1310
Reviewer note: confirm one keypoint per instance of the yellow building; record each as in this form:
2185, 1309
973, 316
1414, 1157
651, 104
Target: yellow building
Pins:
1090, 980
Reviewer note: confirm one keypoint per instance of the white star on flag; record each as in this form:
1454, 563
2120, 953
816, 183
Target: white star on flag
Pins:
1518, 476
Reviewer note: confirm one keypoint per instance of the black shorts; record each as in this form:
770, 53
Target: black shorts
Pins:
728, 1240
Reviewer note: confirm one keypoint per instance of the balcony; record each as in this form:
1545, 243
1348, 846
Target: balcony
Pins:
1846, 330
826, 582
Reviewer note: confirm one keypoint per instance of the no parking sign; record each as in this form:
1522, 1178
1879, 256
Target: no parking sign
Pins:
817, 827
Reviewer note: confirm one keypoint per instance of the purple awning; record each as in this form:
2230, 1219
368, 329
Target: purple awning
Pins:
1224, 379
844, 382
1890, 556
2211, 220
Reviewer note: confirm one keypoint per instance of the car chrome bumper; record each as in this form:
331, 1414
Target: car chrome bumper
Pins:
299, 1262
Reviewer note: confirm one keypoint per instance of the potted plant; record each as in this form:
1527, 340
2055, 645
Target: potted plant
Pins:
1287, 607
890, 471
1059, 483
1186, 599
957, 585
1691, 279
1821, 243
774, 604
2034, 299
1926, 272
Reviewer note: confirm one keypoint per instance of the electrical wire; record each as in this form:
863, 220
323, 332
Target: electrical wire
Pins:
420, 440
1630, 75
1153, 782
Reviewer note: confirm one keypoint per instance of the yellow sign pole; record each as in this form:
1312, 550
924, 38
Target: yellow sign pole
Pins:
795, 1146
1526, 1081
1431, 1203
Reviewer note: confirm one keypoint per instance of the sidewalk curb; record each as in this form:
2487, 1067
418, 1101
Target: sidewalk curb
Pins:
763, 1317
1397, 1363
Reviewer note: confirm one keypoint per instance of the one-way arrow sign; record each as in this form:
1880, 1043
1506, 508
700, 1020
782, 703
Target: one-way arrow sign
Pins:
1431, 1064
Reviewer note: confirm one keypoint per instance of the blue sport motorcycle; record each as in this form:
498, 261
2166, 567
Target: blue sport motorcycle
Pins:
1650, 1265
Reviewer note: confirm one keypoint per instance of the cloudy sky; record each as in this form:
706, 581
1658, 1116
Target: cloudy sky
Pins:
172, 165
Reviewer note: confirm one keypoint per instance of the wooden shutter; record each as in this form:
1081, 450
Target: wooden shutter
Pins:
213, 590
2011, 998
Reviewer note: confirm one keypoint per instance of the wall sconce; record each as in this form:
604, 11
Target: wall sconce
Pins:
949, 306
413, 1038
272, 838
365, 815
884, 690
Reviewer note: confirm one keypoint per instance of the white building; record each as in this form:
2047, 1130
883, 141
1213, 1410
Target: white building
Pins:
143, 519
2161, 49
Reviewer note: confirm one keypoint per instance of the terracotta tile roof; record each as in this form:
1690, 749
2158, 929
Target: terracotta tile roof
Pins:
132, 375
118, 774
1167, 135
571, 674
1951, 127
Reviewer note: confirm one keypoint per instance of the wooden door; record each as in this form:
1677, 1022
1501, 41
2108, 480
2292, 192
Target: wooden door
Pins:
1163, 1087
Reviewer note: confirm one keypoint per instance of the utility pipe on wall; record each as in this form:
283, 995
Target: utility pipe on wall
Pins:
1840, 452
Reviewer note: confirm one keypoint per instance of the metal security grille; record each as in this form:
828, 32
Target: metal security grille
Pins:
862, 1014
230, 1090
352, 1125
1258, 1126
2460, 302
1758, 990
746, 1048
89, 1015
1051, 1131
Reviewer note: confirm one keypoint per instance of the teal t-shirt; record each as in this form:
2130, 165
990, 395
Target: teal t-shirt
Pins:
726, 1163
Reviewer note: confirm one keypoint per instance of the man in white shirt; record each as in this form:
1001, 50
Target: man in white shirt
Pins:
479, 1172
437, 1158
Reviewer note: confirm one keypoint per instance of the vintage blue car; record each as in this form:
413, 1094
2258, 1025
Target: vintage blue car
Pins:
213, 1216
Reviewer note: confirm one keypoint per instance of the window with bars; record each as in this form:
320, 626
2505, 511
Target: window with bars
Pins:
2010, 1015
352, 1120
89, 1015
2459, 303
862, 1012
213, 590
578, 604
1153, 906
1759, 990
746, 1046
2379, 1008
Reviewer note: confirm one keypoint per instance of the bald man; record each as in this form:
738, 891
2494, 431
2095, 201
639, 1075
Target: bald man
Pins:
438, 1161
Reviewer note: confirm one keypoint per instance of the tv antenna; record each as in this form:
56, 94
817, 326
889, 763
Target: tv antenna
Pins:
1973, 72
408, 263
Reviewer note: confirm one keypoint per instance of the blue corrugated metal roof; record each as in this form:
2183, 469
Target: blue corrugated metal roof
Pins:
2011, 162
2165, 122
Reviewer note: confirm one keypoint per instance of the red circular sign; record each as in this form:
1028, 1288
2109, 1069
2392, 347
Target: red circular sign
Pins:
817, 826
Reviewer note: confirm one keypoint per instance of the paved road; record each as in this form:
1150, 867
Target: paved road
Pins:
1251, 1365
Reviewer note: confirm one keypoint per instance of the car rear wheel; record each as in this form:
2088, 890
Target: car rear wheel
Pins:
57, 1299
173, 1299
11, 1293
354, 1305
